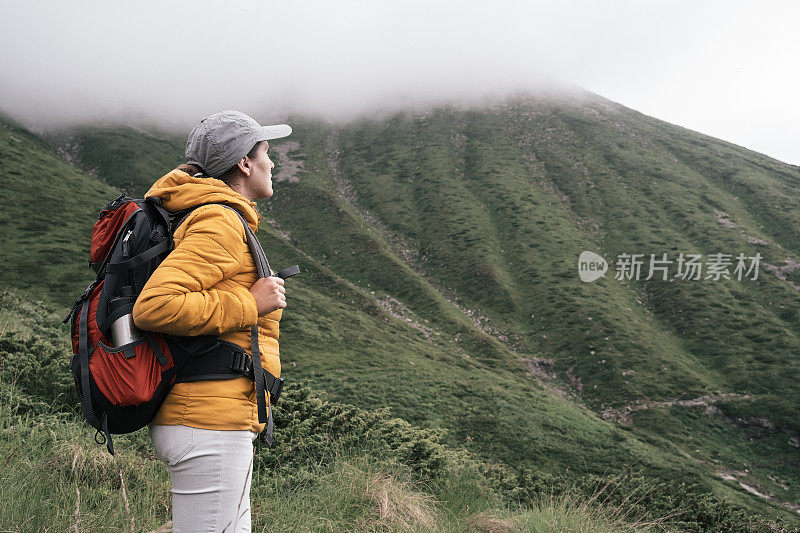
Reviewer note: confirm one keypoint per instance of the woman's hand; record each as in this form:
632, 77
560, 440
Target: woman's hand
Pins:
270, 294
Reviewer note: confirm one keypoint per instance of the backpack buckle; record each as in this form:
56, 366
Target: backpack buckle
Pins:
79, 302
275, 390
242, 363
86, 293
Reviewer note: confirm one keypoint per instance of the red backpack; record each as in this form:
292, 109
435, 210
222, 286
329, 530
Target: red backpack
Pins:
122, 386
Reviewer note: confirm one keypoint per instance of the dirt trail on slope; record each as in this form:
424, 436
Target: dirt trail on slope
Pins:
623, 414
288, 168
789, 266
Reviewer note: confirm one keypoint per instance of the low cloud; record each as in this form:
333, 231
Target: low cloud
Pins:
171, 63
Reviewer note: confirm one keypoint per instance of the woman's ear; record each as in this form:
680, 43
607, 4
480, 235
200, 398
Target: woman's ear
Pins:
244, 165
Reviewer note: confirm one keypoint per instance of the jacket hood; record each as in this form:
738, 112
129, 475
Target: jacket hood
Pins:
179, 190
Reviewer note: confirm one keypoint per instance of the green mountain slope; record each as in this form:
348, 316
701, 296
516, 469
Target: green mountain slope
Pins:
122, 156
440, 255
47, 210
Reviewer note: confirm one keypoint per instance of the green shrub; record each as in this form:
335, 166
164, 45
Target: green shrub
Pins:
309, 430
39, 368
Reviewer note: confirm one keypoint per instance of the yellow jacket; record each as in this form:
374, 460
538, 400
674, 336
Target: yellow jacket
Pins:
202, 288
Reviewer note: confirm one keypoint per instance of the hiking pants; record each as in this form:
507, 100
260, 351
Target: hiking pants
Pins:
210, 472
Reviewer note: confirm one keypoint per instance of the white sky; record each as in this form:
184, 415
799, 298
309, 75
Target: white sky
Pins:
727, 69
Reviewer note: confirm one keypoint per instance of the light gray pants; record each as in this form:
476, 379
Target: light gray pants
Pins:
210, 472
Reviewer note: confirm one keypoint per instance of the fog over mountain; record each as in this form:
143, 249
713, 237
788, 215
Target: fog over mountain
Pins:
721, 68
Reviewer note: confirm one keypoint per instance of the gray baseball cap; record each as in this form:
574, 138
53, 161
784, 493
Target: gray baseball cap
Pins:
219, 141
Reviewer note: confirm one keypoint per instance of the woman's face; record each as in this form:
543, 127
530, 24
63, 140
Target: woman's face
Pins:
259, 183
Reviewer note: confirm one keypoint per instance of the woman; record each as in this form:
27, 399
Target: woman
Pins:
208, 285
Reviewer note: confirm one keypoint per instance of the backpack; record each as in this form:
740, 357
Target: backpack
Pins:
122, 387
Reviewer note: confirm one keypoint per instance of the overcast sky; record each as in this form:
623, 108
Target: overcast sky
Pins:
728, 69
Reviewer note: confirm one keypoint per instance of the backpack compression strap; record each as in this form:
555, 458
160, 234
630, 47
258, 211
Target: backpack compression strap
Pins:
84, 353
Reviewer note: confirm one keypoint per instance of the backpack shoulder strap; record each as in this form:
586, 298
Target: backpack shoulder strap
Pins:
263, 380
156, 205
260, 258
260, 376
262, 265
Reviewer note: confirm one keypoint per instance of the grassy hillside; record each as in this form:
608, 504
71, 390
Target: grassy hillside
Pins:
440, 254
46, 216
334, 467
480, 215
496, 205
122, 156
